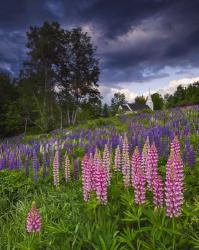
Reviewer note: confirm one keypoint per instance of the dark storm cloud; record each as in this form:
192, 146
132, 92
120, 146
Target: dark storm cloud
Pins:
136, 39
12, 51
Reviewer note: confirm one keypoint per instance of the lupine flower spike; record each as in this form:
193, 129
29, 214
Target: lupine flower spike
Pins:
56, 170
33, 220
157, 191
126, 170
117, 161
86, 177
125, 162
106, 163
174, 181
96, 161
138, 178
67, 168
151, 166
101, 184
145, 154
135, 164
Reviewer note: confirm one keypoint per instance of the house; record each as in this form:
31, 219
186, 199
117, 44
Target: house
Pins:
135, 107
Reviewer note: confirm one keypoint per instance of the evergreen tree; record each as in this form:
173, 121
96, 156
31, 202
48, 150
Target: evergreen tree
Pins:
140, 100
105, 111
158, 101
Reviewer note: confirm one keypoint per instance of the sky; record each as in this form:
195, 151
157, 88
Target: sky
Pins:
141, 44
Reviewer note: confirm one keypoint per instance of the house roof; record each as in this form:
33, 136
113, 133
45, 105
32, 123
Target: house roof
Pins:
134, 106
137, 106
125, 107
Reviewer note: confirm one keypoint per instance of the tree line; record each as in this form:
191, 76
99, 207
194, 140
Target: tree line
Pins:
183, 96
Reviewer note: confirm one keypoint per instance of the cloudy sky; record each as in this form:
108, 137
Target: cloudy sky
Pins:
142, 44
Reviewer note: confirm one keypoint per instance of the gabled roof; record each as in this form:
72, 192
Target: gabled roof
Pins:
134, 107
125, 107
137, 106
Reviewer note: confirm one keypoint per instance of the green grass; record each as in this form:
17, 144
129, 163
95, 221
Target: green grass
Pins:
70, 223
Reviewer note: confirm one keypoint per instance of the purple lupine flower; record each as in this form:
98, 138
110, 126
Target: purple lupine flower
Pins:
76, 169
56, 170
198, 150
35, 165
67, 168
1, 165
191, 157
47, 161
27, 166
165, 148
33, 223
12, 162
139, 145
19, 162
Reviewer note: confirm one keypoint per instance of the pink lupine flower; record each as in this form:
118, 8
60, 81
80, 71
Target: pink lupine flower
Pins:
151, 165
56, 170
33, 223
157, 191
117, 160
67, 168
135, 165
86, 177
173, 186
96, 161
101, 184
126, 170
106, 163
139, 186
154, 180
178, 163
175, 145
125, 162
125, 147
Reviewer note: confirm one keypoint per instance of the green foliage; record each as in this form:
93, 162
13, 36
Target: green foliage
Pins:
105, 111
11, 121
158, 101
116, 101
58, 82
70, 223
184, 96
140, 100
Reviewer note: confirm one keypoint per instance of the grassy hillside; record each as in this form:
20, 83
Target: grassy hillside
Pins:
115, 218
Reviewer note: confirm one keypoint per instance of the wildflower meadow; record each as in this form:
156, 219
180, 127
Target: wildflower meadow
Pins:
125, 182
